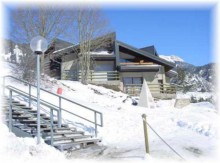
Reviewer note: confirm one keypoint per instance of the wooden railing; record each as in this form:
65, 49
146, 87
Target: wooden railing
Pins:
135, 89
92, 76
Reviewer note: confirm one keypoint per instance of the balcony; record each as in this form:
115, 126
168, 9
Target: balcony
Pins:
160, 91
133, 66
93, 76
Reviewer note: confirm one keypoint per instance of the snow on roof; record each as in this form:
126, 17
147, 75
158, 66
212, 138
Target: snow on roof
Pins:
101, 53
63, 49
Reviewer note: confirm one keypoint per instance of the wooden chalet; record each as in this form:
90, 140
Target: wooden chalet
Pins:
119, 66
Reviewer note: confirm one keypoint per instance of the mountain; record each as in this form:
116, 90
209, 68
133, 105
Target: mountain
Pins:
193, 78
172, 58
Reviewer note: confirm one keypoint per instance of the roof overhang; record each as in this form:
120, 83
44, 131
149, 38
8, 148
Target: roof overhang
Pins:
103, 56
157, 59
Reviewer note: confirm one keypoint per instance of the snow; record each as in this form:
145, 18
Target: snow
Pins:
15, 56
192, 131
104, 52
56, 51
25, 149
202, 96
171, 58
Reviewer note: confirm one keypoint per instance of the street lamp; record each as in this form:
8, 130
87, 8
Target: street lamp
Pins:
38, 45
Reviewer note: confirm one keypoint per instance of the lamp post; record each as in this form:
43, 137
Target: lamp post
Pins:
38, 45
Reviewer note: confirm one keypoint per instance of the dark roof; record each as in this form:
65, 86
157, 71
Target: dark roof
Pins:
150, 49
147, 54
107, 40
59, 44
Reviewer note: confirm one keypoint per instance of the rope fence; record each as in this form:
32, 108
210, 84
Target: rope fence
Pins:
145, 121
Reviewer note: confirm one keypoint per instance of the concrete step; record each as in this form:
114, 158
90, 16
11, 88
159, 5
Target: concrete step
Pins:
19, 105
16, 113
21, 117
46, 118
35, 125
83, 143
33, 121
25, 119
56, 129
14, 102
61, 142
26, 108
18, 124
13, 113
35, 114
68, 138
66, 133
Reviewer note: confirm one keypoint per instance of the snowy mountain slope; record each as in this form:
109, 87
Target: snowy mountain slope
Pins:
172, 58
192, 131
197, 78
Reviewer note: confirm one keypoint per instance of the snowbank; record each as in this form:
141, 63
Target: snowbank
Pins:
192, 131
14, 149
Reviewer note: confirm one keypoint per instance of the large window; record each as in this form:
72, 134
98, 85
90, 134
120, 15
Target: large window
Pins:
132, 80
104, 66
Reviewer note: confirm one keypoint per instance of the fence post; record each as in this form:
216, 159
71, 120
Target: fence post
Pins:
60, 116
91, 74
29, 95
101, 119
95, 124
3, 86
51, 126
10, 111
145, 133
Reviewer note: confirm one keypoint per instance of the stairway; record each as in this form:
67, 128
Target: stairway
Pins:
24, 122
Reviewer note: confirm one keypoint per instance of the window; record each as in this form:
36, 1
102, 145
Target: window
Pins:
104, 66
132, 80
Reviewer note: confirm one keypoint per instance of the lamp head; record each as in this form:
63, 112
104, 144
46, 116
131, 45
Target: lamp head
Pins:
38, 45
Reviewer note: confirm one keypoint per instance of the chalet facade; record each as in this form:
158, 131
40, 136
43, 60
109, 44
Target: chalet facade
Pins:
121, 66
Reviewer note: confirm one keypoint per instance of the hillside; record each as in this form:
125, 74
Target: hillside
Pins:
193, 78
196, 78
191, 131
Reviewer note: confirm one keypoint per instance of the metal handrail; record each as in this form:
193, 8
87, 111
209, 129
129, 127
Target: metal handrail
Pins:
45, 103
60, 104
26, 111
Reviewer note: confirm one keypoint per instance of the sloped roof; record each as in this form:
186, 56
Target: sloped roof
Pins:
147, 54
150, 49
109, 36
59, 44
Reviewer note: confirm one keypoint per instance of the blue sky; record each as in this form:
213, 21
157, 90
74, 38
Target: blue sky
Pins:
186, 33
183, 32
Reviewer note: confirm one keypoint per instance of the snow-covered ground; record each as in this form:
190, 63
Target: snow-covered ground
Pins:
192, 131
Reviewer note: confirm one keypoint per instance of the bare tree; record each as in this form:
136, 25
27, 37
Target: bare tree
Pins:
87, 24
47, 21
90, 25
